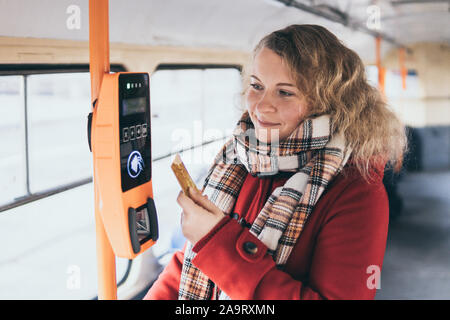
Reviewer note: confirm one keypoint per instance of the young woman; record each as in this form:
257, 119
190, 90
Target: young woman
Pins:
294, 206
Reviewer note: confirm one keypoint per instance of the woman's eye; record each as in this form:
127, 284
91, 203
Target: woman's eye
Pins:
256, 86
286, 93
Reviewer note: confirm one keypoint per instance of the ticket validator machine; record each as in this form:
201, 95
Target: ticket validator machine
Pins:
120, 140
119, 134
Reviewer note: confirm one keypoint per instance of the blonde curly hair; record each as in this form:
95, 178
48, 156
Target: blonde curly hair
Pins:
333, 80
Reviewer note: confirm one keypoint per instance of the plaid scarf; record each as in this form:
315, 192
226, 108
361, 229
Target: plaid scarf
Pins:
309, 151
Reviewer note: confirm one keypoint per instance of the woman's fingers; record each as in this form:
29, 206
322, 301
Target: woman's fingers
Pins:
199, 215
185, 202
203, 201
196, 200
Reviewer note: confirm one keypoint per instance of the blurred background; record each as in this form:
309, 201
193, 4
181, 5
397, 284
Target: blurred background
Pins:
195, 51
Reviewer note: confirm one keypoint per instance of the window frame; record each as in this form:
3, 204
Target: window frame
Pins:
190, 66
25, 70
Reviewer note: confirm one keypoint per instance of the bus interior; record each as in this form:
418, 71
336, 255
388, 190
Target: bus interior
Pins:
195, 52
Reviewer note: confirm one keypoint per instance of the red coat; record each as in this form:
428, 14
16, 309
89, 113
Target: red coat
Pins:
334, 257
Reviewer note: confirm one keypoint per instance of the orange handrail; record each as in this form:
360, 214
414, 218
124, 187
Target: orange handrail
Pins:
403, 70
98, 66
381, 70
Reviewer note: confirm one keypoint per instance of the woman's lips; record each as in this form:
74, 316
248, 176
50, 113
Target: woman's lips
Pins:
266, 124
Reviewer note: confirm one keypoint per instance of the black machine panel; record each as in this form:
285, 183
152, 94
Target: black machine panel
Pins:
134, 123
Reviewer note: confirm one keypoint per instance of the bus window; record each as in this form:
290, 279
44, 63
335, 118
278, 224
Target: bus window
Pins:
372, 75
191, 105
193, 111
55, 235
12, 147
222, 98
394, 89
57, 109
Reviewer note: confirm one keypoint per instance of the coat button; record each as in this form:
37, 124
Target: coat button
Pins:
250, 247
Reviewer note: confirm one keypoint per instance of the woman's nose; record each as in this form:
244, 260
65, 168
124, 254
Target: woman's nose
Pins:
265, 104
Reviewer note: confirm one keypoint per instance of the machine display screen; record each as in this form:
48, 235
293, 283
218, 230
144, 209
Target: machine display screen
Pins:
134, 105
134, 123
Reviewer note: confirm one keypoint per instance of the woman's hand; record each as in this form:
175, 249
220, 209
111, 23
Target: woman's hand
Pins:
199, 215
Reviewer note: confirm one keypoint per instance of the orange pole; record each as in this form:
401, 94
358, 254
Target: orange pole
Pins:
98, 43
403, 71
98, 66
381, 70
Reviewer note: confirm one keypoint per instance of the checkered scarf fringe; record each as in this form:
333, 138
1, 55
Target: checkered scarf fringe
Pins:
310, 152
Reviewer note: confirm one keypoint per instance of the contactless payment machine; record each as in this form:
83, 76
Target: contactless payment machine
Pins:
121, 145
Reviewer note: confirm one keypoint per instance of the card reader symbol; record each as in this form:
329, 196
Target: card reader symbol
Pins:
135, 164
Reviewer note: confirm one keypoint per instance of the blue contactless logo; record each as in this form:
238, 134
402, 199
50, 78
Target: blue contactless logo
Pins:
135, 164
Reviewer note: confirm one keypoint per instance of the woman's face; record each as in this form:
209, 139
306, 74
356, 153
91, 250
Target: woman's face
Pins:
275, 105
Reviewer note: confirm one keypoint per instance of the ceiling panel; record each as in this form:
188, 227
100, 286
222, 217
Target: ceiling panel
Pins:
236, 24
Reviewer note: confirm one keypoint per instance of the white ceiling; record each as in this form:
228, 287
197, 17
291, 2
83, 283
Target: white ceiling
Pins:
236, 24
